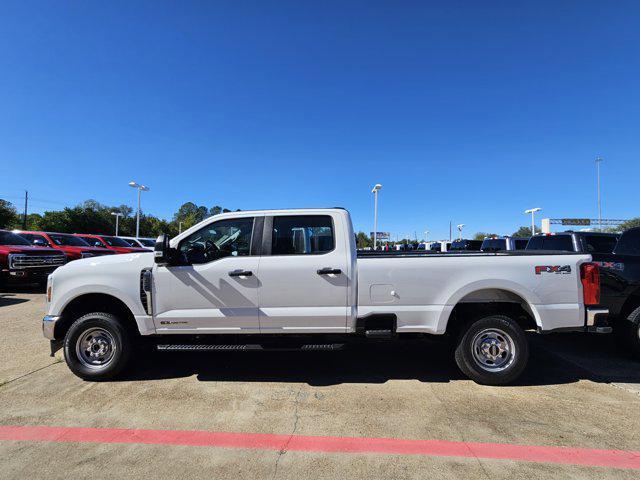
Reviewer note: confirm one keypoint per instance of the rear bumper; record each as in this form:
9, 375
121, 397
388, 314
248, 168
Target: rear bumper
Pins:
597, 320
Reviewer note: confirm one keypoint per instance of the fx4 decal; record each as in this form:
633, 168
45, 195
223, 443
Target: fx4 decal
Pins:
560, 269
612, 265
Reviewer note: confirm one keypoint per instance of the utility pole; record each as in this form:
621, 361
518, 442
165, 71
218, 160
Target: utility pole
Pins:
117, 215
24, 217
598, 162
449, 230
375, 191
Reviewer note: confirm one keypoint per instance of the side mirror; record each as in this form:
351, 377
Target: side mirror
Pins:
39, 243
162, 250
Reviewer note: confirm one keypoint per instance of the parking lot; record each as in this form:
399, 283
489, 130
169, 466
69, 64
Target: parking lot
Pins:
244, 415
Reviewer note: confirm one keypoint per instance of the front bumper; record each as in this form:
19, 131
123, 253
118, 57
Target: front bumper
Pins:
24, 276
49, 326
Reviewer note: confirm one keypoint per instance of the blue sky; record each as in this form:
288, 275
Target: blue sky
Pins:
464, 111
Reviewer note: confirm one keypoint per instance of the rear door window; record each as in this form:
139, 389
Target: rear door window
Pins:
302, 235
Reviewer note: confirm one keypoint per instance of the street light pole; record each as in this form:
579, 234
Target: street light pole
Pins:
426, 235
141, 188
598, 162
460, 227
375, 191
533, 211
117, 215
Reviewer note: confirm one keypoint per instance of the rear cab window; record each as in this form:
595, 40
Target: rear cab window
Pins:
629, 243
562, 243
599, 243
302, 235
494, 245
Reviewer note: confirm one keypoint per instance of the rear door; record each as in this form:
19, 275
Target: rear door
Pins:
304, 274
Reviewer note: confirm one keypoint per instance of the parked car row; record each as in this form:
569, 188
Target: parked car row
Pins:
30, 256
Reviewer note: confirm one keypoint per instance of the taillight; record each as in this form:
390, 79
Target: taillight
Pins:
590, 277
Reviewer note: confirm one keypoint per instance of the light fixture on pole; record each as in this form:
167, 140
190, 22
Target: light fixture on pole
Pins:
598, 162
375, 191
117, 215
533, 211
141, 188
460, 227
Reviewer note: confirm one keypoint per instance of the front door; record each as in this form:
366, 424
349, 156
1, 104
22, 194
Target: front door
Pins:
304, 275
214, 288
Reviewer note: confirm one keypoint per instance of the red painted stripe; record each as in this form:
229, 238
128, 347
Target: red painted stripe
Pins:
302, 443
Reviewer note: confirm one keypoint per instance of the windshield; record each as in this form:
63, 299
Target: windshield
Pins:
94, 242
8, 238
116, 242
147, 242
131, 242
68, 240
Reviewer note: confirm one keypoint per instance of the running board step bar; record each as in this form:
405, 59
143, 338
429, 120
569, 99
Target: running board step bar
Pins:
247, 347
385, 333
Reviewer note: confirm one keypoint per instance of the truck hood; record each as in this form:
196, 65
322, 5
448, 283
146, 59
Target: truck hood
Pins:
28, 250
107, 264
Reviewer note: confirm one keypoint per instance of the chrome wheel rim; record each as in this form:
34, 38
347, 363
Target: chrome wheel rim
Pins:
493, 350
96, 348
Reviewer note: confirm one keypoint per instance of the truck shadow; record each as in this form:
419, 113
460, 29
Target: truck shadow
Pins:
7, 299
430, 361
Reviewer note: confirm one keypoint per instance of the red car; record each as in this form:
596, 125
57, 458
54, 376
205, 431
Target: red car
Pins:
22, 263
74, 247
115, 244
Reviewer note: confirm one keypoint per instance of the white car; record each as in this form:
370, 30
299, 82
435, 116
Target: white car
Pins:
144, 242
256, 280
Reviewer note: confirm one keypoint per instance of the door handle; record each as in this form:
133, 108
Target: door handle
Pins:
240, 273
329, 271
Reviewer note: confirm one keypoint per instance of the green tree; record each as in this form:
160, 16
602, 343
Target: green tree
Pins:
8, 214
483, 235
634, 222
363, 240
522, 232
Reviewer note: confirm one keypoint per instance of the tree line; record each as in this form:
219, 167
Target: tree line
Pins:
94, 217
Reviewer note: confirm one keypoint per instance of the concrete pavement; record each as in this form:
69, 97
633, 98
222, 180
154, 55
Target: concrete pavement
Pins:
394, 391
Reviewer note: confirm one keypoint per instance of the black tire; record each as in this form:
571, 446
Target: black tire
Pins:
111, 337
492, 333
627, 331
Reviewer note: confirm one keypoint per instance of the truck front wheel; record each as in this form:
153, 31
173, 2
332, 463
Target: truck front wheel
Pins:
492, 350
97, 346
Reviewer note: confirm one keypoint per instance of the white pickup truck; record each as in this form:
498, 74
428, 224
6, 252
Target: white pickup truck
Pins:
273, 279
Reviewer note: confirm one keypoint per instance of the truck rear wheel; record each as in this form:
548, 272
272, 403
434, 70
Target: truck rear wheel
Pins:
627, 332
97, 346
492, 350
